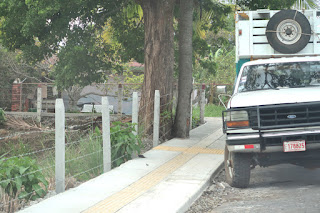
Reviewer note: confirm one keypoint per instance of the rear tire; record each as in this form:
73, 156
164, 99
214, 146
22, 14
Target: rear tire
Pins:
237, 168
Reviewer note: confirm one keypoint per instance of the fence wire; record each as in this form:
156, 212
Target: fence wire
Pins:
83, 144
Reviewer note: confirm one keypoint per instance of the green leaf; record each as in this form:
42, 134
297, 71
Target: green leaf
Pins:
23, 195
23, 169
8, 171
129, 150
4, 184
34, 197
31, 176
38, 190
44, 181
18, 183
28, 188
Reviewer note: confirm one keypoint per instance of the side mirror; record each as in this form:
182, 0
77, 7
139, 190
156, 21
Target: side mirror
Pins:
221, 89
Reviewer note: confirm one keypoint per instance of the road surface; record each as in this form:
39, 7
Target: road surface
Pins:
281, 188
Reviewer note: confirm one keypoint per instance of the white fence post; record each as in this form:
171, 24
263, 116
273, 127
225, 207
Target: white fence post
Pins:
60, 145
135, 115
202, 103
156, 118
120, 94
191, 108
191, 105
135, 111
39, 103
106, 135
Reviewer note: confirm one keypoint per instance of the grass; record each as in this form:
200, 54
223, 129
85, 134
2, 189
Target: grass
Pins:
210, 111
84, 159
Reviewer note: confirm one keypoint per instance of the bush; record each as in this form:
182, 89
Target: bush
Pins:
123, 142
21, 176
195, 121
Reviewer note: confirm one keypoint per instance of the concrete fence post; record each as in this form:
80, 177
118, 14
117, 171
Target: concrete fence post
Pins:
60, 146
135, 115
135, 111
120, 94
202, 103
39, 103
191, 108
156, 118
106, 135
191, 105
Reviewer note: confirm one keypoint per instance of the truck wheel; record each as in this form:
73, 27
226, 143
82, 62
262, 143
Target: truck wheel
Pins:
288, 31
237, 168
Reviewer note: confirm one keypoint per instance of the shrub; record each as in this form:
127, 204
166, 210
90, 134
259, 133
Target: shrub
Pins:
123, 142
195, 121
20, 176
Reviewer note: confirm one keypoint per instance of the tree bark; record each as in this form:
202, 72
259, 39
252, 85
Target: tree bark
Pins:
158, 60
182, 120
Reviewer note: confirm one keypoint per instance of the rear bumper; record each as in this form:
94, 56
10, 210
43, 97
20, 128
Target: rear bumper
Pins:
268, 149
272, 141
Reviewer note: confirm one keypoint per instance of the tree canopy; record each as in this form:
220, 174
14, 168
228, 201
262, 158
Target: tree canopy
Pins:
91, 38
70, 29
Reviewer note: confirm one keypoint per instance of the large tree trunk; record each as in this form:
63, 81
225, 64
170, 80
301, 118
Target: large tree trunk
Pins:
159, 59
182, 121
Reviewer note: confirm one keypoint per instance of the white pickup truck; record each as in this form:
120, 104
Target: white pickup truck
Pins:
273, 116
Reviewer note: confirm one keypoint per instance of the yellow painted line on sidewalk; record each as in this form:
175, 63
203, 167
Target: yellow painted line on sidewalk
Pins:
171, 148
193, 150
127, 195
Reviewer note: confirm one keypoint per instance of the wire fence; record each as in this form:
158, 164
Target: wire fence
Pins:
166, 116
24, 140
23, 162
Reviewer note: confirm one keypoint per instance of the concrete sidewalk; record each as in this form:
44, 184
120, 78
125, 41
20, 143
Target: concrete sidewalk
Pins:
168, 179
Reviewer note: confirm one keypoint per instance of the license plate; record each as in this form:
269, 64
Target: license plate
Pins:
294, 146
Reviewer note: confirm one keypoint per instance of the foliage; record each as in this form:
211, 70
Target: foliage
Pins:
2, 117
135, 79
123, 142
261, 4
128, 32
216, 36
68, 29
195, 121
80, 62
209, 21
14, 148
21, 176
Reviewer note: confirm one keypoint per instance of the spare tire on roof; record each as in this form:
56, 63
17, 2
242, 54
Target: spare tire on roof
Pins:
288, 31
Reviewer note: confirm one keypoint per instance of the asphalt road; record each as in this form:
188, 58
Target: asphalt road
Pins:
281, 188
